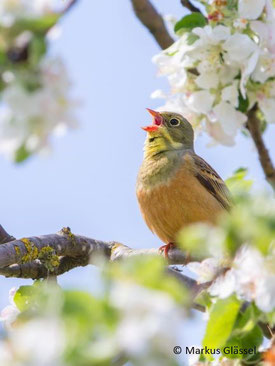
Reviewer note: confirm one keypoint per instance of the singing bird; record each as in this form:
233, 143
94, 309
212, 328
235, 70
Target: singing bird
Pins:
176, 187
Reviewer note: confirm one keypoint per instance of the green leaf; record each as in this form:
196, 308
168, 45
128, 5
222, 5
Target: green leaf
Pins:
38, 25
248, 340
190, 21
199, 239
149, 272
232, 4
238, 182
3, 57
204, 299
245, 322
221, 322
88, 321
271, 318
23, 296
37, 49
21, 154
243, 104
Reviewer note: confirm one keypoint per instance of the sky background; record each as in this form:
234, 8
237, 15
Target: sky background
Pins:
88, 182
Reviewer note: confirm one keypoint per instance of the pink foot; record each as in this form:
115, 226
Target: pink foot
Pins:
166, 248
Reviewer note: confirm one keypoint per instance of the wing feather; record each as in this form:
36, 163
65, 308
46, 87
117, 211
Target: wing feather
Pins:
211, 180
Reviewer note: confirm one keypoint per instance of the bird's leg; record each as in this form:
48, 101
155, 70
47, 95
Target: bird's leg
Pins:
165, 248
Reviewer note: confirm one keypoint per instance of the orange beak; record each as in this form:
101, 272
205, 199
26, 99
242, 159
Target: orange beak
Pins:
157, 121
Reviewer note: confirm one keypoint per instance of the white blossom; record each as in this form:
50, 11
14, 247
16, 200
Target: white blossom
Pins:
28, 118
264, 94
209, 35
5, 354
149, 321
229, 63
39, 341
230, 94
11, 10
265, 67
251, 9
9, 313
238, 48
224, 285
267, 106
200, 101
206, 270
208, 80
229, 118
215, 130
250, 278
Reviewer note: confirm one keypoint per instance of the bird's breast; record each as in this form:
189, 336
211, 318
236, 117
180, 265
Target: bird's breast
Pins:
175, 202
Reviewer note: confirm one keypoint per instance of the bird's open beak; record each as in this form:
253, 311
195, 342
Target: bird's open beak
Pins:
157, 121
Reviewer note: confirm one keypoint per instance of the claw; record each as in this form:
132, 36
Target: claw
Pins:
165, 249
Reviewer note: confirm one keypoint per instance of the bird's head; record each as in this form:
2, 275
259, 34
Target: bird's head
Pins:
169, 132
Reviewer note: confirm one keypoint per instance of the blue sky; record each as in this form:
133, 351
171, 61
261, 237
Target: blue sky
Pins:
88, 182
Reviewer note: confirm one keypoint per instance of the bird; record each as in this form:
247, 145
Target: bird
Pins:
176, 187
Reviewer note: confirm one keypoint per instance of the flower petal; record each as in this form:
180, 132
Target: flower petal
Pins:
251, 9
231, 94
200, 101
248, 69
207, 80
267, 106
239, 47
230, 119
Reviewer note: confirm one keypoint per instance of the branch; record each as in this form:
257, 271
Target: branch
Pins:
191, 284
40, 256
37, 270
187, 4
31, 257
253, 125
64, 243
153, 21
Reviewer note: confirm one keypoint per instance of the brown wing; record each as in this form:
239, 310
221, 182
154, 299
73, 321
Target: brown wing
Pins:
211, 180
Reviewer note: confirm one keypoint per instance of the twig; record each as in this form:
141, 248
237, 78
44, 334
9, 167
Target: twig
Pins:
4, 236
153, 21
187, 4
191, 284
18, 54
253, 125
69, 6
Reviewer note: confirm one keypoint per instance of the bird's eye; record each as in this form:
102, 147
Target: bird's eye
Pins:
174, 122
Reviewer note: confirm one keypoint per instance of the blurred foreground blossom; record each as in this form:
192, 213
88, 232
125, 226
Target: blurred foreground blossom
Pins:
238, 257
38, 342
9, 313
252, 277
149, 322
205, 270
29, 117
140, 323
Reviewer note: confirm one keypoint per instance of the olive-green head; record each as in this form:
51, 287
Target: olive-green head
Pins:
169, 132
